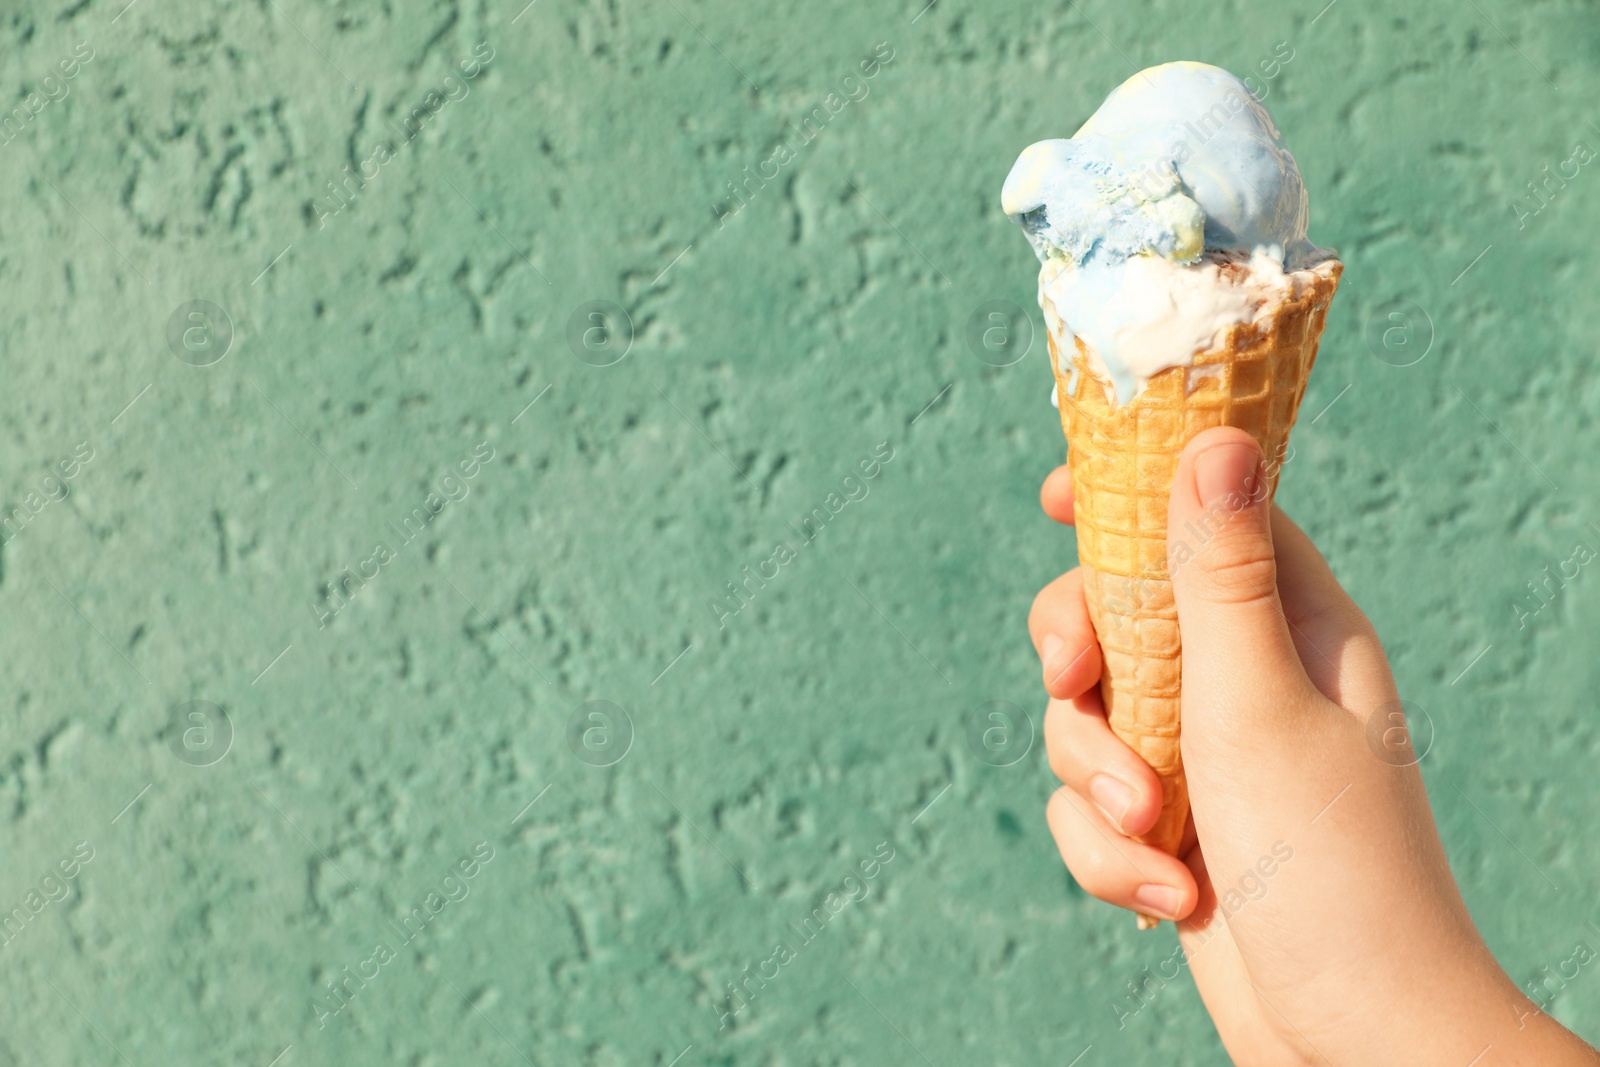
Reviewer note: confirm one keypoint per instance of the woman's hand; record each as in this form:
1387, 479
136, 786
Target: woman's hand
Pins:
1315, 906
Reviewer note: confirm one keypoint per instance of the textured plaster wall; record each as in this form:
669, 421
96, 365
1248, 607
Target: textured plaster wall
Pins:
268, 773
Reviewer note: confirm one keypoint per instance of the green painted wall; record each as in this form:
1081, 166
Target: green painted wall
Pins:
344, 764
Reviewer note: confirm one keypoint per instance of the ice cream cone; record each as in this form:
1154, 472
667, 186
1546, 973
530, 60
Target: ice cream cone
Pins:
1123, 458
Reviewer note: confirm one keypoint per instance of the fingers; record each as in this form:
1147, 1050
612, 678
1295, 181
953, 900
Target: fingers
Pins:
1056, 494
1114, 868
1064, 637
1224, 572
1109, 791
1093, 762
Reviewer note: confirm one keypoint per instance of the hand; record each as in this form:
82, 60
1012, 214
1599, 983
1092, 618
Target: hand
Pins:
1316, 909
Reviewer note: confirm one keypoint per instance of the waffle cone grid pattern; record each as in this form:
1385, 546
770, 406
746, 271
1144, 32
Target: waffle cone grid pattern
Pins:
1123, 459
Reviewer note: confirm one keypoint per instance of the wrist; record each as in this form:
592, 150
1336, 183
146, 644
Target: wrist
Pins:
1488, 1012
1460, 1007
1536, 1037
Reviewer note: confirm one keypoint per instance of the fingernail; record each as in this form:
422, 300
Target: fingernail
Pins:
1112, 797
1162, 900
1232, 469
1048, 648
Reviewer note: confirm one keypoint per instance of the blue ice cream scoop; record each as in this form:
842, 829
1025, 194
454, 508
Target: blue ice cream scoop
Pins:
1212, 130
1181, 160
1074, 198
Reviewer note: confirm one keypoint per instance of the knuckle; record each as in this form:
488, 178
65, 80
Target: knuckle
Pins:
1063, 761
1337, 615
1061, 748
1037, 609
1239, 567
1092, 868
1047, 603
1363, 625
1056, 809
1089, 860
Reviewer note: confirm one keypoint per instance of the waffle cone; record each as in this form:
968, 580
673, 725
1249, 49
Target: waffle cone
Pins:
1123, 459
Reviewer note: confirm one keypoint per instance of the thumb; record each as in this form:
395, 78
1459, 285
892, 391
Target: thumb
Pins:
1224, 571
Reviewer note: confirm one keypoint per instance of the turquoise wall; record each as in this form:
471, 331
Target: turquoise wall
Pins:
365, 509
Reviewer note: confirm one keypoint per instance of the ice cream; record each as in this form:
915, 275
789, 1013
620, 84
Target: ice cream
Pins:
1180, 294
1142, 219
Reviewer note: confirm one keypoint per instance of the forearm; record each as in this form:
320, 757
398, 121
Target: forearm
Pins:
1480, 1018
1453, 1006
1536, 1038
